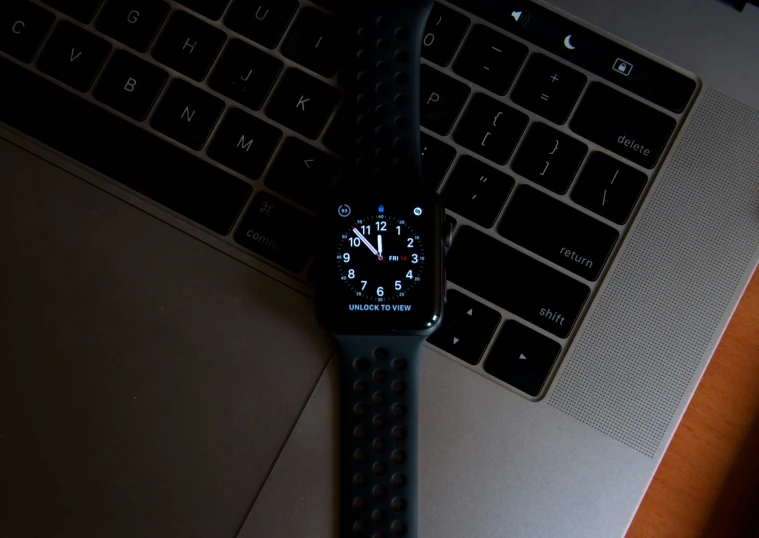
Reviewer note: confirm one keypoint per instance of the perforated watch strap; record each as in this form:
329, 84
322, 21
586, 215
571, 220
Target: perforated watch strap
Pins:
383, 81
379, 378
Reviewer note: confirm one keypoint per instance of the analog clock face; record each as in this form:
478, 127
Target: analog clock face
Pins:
380, 258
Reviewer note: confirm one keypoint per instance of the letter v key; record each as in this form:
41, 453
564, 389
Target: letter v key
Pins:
75, 56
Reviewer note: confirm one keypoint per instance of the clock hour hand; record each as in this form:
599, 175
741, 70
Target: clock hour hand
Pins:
379, 246
366, 242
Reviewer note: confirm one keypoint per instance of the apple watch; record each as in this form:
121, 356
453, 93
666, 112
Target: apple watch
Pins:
381, 283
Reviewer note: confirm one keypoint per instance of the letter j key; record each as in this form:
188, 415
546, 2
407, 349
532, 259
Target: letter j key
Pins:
245, 74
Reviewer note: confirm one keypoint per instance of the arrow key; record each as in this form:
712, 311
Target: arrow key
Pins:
301, 172
466, 329
521, 357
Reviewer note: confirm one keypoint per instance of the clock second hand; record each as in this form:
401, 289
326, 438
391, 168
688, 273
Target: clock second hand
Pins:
367, 243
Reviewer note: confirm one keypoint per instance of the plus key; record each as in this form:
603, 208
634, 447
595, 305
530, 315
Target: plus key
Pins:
548, 88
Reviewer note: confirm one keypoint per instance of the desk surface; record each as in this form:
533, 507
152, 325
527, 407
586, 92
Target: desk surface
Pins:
708, 482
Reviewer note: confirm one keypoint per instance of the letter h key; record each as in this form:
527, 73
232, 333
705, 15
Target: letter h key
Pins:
189, 45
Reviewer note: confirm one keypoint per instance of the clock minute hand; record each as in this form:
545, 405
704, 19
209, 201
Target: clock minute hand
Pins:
364, 240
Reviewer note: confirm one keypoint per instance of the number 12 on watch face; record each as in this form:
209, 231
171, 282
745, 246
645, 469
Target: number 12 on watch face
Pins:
380, 258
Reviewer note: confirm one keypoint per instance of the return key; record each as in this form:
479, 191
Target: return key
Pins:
559, 233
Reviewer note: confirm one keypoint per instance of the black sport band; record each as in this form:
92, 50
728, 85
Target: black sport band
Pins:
382, 78
380, 374
379, 380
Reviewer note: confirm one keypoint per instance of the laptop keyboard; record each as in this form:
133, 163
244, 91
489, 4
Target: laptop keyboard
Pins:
540, 135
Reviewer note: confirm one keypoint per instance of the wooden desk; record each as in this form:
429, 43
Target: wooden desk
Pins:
708, 483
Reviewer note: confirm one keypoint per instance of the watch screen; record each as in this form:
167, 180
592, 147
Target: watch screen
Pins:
384, 265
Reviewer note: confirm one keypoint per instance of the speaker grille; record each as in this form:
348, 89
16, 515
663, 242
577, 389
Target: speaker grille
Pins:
652, 328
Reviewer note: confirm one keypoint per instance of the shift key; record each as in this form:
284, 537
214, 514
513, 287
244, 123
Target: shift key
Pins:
277, 231
623, 125
514, 281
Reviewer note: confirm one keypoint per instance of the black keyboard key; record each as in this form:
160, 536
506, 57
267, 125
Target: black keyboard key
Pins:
213, 9
133, 22
187, 114
130, 85
122, 151
301, 172
303, 103
244, 143
189, 45
548, 88
521, 357
315, 42
81, 10
623, 125
73, 56
437, 158
442, 100
466, 329
490, 59
245, 74
670, 89
443, 34
515, 281
559, 233
263, 21
490, 128
277, 231
609, 188
549, 158
23, 27
476, 191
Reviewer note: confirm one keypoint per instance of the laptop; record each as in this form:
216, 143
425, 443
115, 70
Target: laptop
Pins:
162, 372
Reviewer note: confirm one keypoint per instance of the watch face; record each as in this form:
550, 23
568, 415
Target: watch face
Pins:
381, 258
380, 266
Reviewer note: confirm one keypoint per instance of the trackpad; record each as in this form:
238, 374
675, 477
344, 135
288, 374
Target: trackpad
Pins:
147, 381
